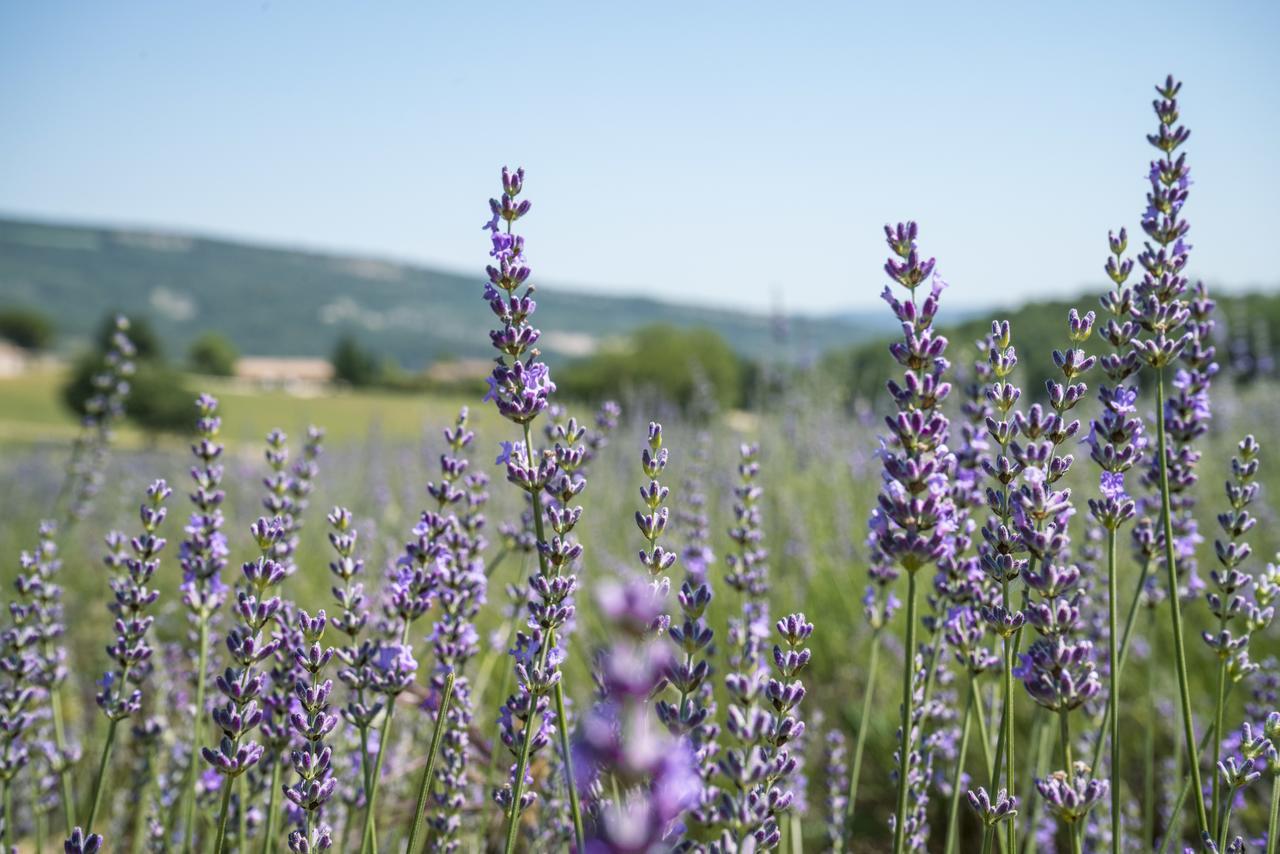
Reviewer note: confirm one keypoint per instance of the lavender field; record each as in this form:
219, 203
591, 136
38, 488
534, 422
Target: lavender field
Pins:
969, 613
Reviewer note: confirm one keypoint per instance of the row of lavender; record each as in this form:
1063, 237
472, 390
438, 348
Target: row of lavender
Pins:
693, 738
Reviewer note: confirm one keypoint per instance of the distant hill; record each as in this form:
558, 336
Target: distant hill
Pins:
280, 302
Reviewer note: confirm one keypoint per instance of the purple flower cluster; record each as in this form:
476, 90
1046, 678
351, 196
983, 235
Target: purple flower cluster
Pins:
914, 523
242, 684
203, 553
520, 384
462, 590
654, 771
652, 520
131, 598
312, 722
739, 762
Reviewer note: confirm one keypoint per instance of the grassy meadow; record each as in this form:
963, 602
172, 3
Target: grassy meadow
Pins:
819, 475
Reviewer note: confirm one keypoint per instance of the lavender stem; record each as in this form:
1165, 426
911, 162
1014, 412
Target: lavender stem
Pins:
1175, 612
864, 723
367, 835
575, 805
953, 809
189, 797
908, 672
427, 772
1273, 824
1113, 691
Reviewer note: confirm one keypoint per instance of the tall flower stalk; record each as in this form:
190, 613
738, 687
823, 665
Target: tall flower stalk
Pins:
1002, 561
740, 763
692, 715
1225, 594
1115, 444
121, 695
651, 770
1057, 669
312, 722
913, 523
520, 386
1162, 315
454, 639
241, 684
203, 556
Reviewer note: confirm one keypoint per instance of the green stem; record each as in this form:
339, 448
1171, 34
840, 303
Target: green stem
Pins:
1042, 738
1113, 693
6, 828
1226, 818
268, 836
425, 785
1104, 726
223, 812
1149, 762
189, 794
60, 742
1175, 612
1171, 831
953, 809
987, 833
908, 675
1064, 732
1273, 824
864, 724
102, 768
1011, 831
984, 738
522, 761
242, 813
1219, 713
368, 837
566, 759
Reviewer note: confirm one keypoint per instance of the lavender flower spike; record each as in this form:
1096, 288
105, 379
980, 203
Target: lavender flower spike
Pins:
241, 683
914, 520
203, 556
520, 386
1162, 315
312, 723
619, 740
120, 696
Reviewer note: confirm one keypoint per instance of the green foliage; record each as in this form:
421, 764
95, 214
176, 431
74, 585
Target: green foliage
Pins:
670, 360
146, 343
213, 354
158, 401
353, 364
28, 328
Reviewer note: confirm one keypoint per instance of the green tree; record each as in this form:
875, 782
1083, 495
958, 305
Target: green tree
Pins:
157, 401
26, 327
353, 364
213, 354
676, 362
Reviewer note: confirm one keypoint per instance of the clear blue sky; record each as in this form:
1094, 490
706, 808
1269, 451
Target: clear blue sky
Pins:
714, 152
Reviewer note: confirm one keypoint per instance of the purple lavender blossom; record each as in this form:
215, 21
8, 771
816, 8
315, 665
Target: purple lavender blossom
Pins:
914, 523
241, 684
520, 386
312, 722
655, 771
462, 590
120, 695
